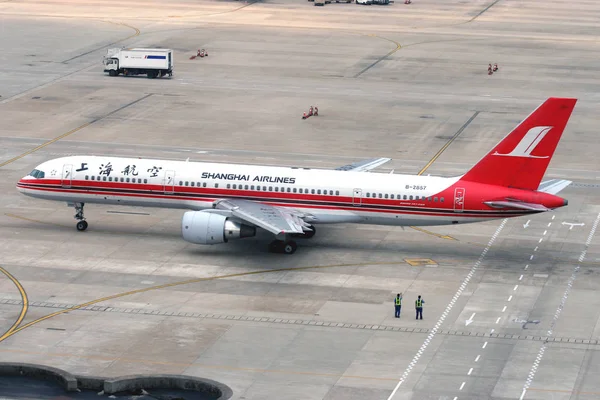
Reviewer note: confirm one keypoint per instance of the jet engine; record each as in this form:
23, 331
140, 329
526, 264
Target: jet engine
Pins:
203, 227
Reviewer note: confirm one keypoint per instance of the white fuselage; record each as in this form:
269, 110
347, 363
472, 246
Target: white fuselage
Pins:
330, 196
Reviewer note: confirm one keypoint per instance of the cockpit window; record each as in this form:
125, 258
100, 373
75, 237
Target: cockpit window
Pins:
36, 173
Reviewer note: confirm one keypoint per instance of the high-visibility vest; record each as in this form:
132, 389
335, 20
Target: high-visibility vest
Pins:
398, 301
419, 303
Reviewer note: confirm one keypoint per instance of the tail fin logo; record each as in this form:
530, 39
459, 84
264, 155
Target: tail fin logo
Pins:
529, 143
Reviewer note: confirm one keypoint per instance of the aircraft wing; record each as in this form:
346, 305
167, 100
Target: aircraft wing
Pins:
362, 166
553, 186
277, 220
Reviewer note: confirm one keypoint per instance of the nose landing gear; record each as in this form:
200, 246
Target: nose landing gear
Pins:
82, 223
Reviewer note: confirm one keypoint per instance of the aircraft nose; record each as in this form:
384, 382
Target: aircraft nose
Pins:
565, 202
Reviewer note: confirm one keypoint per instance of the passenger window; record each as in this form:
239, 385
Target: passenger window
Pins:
93, 178
122, 179
435, 199
368, 194
295, 190
276, 189
204, 184
264, 188
337, 192
270, 188
252, 187
127, 179
441, 200
410, 197
245, 187
186, 183
312, 191
228, 186
145, 180
404, 197
104, 178
386, 196
289, 190
331, 192
319, 191
234, 186
192, 184
392, 196
86, 177
380, 196
216, 185
300, 190
139, 180
180, 182
110, 178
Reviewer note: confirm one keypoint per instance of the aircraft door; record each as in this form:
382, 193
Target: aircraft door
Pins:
459, 200
169, 182
67, 175
357, 197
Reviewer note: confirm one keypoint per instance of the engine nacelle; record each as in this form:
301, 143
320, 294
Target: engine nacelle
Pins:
202, 227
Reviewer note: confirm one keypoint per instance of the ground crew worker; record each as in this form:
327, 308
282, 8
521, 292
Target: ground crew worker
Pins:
419, 307
316, 111
495, 67
490, 69
398, 304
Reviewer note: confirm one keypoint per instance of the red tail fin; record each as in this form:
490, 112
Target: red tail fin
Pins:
521, 158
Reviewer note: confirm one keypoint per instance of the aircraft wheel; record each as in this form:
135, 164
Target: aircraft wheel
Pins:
309, 234
82, 225
290, 247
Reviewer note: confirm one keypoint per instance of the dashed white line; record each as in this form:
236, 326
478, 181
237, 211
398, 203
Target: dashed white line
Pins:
561, 306
484, 345
545, 233
504, 309
521, 278
531, 258
554, 216
462, 386
549, 224
541, 239
510, 297
470, 371
536, 248
516, 286
492, 331
497, 320
477, 358
440, 321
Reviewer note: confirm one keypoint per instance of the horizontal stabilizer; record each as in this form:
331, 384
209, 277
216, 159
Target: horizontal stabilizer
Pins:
362, 166
517, 204
554, 186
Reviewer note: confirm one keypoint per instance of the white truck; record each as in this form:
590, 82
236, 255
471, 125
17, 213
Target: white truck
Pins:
151, 62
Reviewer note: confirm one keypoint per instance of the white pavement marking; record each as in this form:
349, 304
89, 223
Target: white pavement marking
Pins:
498, 320
541, 239
526, 224
554, 216
536, 248
477, 358
470, 371
516, 287
563, 301
462, 386
531, 258
545, 233
470, 320
549, 224
484, 345
521, 278
448, 309
510, 297
504, 309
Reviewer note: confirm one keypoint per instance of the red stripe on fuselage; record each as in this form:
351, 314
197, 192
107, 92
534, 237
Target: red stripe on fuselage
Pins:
293, 199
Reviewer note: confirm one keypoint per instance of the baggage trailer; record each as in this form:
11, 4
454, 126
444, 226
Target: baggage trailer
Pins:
150, 62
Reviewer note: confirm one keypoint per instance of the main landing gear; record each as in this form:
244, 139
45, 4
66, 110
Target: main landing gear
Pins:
289, 246
283, 246
82, 223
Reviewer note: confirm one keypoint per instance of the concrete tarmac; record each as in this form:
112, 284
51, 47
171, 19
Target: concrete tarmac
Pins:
511, 309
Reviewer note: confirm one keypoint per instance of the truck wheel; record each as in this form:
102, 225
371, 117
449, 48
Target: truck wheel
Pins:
152, 74
112, 72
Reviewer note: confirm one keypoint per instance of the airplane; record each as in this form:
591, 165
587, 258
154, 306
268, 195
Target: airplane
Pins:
230, 201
